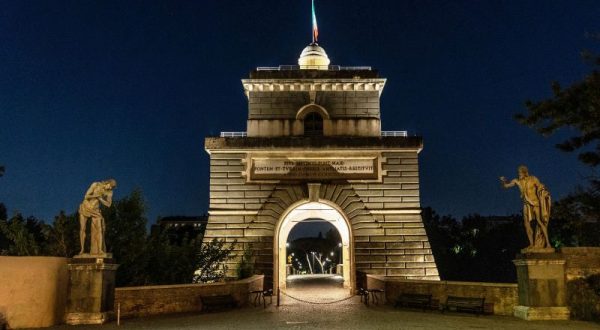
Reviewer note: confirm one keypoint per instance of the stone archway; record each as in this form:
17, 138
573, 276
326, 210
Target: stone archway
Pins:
306, 210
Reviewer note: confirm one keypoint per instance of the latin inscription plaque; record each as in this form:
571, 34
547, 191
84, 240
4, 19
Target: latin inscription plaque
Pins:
313, 168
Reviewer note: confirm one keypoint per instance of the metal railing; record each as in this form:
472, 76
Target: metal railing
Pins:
394, 133
297, 67
234, 134
383, 133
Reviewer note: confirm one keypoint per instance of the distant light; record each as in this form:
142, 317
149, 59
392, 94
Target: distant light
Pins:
339, 244
287, 244
331, 253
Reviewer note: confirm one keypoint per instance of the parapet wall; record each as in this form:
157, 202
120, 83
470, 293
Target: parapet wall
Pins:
500, 298
581, 261
166, 299
33, 291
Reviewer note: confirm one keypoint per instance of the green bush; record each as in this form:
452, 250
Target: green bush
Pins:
246, 266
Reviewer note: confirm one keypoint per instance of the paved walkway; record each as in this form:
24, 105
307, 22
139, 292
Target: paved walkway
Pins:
318, 288
347, 315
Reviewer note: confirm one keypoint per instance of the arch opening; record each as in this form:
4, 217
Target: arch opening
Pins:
313, 124
314, 254
324, 212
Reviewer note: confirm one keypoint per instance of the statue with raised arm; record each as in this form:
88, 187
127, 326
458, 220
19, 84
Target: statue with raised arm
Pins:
536, 207
98, 193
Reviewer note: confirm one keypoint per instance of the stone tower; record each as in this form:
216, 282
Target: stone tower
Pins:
313, 147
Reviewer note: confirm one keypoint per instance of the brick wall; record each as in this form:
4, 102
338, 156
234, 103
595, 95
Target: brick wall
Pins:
166, 299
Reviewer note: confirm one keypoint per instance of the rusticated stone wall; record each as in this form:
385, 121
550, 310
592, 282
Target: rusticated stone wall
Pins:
389, 237
285, 105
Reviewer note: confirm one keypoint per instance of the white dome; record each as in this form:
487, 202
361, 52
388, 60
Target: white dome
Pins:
314, 57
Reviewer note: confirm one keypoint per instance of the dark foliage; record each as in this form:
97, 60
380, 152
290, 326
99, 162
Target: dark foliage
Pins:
583, 298
576, 218
63, 235
477, 248
577, 108
245, 267
126, 238
168, 257
170, 262
210, 261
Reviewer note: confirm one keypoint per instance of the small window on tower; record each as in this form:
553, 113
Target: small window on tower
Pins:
313, 124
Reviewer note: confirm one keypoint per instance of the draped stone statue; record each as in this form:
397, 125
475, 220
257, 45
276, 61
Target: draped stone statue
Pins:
98, 193
536, 207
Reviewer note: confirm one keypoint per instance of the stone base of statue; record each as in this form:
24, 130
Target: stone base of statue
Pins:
536, 250
542, 313
542, 286
91, 289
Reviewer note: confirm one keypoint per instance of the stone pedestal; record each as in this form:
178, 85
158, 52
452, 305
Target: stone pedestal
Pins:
542, 285
339, 269
91, 289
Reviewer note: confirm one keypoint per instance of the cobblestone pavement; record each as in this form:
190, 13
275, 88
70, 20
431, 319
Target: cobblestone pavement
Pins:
347, 314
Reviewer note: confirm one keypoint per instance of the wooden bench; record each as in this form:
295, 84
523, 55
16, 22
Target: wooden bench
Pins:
464, 304
217, 302
415, 300
376, 295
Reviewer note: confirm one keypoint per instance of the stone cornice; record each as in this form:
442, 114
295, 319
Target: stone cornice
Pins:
324, 144
312, 85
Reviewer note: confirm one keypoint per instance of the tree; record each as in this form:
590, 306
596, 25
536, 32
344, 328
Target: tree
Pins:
63, 235
485, 245
126, 237
245, 267
576, 107
210, 261
23, 236
169, 261
575, 218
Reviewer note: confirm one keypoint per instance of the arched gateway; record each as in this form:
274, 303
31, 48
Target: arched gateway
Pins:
313, 147
301, 211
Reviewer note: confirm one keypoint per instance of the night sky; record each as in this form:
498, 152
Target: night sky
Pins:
129, 89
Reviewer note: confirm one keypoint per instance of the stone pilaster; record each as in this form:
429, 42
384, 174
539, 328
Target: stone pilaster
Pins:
542, 287
91, 290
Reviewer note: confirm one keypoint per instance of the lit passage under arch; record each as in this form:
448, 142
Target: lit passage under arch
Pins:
314, 210
314, 246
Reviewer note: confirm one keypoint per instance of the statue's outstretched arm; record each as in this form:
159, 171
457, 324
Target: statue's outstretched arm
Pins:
506, 184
